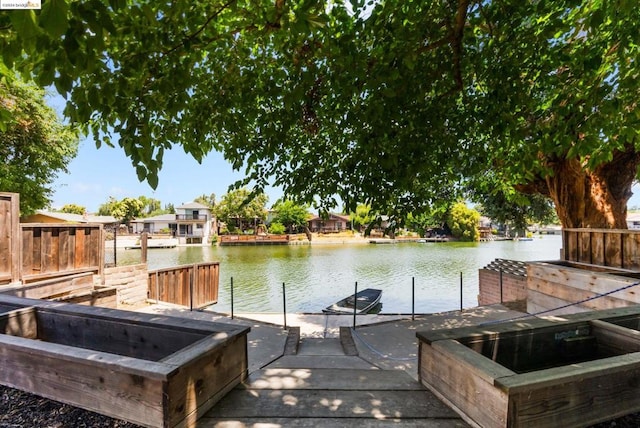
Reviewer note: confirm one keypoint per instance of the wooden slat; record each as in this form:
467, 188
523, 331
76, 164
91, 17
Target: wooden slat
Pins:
613, 249
463, 383
130, 339
110, 384
616, 338
584, 247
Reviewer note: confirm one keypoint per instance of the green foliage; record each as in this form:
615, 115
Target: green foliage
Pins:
517, 210
209, 201
127, 209
291, 215
463, 222
150, 206
241, 207
73, 209
277, 228
124, 210
109, 207
362, 217
383, 104
34, 145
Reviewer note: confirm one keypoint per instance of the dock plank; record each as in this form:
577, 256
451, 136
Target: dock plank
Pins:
243, 403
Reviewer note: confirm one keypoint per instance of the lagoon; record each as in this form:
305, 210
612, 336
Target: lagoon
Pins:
319, 274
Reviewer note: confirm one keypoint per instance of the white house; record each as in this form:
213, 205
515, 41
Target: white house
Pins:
191, 224
194, 223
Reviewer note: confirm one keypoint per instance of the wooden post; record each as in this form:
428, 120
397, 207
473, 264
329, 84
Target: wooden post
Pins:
284, 305
143, 247
413, 298
355, 305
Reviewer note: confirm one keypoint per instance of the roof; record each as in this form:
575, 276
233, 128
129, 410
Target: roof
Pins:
162, 218
39, 216
331, 216
192, 205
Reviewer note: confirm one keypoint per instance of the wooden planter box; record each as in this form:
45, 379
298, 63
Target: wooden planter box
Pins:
560, 284
151, 370
573, 372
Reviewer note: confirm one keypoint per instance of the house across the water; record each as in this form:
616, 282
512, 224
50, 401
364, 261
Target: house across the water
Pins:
193, 223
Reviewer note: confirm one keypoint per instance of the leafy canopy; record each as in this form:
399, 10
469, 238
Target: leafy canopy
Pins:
238, 207
290, 214
34, 145
386, 104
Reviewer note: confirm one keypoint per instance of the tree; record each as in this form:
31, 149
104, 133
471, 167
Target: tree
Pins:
362, 217
150, 206
34, 145
291, 215
463, 222
382, 104
73, 209
241, 208
109, 207
517, 213
209, 201
127, 209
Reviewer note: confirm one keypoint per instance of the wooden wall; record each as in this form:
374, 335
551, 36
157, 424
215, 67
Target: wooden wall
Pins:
194, 286
619, 248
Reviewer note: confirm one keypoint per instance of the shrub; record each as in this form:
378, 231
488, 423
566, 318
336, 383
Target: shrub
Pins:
276, 228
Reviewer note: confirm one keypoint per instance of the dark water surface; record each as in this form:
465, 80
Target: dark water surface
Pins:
318, 275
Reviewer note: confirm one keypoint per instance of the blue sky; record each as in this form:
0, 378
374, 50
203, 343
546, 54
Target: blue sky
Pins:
95, 174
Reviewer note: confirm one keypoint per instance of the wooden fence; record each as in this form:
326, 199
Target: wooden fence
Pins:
39, 251
194, 286
618, 248
53, 250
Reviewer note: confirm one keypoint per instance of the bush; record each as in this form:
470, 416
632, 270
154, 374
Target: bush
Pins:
277, 228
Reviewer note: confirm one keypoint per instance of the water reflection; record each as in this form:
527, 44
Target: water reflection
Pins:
318, 275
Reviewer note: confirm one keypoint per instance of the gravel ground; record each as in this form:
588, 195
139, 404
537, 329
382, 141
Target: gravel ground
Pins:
23, 410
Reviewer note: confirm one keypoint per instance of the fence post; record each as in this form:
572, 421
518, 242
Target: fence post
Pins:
231, 297
157, 287
355, 305
460, 291
115, 246
413, 298
501, 285
192, 285
284, 305
143, 247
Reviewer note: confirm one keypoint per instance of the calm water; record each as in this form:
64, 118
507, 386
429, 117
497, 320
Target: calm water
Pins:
318, 275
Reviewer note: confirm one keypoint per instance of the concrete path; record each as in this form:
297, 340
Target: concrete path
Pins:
322, 372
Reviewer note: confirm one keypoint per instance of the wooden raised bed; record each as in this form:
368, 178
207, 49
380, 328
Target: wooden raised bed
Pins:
570, 372
151, 370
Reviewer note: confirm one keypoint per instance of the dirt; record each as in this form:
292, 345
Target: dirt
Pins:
23, 410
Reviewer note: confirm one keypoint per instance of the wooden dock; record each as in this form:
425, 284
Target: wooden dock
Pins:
321, 383
254, 239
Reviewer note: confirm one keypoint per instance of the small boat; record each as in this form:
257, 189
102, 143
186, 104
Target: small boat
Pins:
364, 301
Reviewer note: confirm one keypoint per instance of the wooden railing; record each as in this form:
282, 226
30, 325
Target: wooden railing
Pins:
619, 248
194, 286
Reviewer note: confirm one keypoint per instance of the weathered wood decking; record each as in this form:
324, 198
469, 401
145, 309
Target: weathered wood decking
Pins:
320, 385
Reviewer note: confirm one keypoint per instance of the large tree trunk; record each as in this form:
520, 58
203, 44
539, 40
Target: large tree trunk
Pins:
590, 198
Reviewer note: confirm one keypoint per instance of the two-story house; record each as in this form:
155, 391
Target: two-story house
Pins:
194, 223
